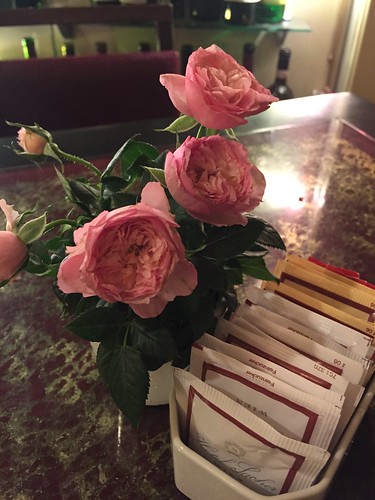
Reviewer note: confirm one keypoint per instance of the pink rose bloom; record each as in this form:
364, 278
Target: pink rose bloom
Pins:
216, 91
30, 142
13, 251
133, 254
213, 180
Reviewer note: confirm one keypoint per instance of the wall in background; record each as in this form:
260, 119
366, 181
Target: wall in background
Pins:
360, 69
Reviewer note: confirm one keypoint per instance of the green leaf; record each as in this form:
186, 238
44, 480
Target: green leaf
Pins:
190, 230
134, 157
210, 274
48, 151
270, 237
33, 229
126, 378
65, 184
39, 262
123, 199
97, 324
196, 310
256, 267
111, 165
84, 193
151, 337
234, 276
227, 242
158, 174
182, 124
160, 160
113, 184
211, 131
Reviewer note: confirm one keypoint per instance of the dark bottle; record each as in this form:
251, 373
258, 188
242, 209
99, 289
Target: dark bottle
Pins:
205, 11
101, 48
67, 49
185, 53
28, 47
178, 9
144, 47
239, 12
248, 56
29, 3
106, 2
280, 88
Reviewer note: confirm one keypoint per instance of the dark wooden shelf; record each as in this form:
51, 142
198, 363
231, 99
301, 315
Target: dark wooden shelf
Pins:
161, 15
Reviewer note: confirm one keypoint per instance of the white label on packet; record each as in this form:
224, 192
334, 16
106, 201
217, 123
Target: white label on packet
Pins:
291, 411
240, 443
351, 370
342, 334
276, 351
266, 366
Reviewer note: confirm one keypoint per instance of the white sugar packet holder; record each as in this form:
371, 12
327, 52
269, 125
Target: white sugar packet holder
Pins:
352, 370
270, 348
352, 339
240, 443
292, 412
269, 367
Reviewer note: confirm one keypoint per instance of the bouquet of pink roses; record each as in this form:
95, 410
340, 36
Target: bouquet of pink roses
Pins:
158, 240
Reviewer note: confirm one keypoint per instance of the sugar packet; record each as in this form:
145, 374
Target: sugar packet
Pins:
352, 339
292, 412
241, 444
352, 370
269, 367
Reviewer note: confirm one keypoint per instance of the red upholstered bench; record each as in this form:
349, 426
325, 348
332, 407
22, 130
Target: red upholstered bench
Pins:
73, 92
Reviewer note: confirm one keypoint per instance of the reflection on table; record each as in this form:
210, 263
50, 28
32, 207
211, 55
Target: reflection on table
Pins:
61, 435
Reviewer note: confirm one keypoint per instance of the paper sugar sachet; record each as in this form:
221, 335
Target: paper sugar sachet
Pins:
343, 293
358, 342
240, 443
354, 371
244, 312
291, 411
325, 301
291, 359
269, 367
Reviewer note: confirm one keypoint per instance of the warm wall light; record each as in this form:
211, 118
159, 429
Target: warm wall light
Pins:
289, 10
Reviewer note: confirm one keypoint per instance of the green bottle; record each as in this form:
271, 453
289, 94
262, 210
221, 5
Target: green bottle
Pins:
270, 11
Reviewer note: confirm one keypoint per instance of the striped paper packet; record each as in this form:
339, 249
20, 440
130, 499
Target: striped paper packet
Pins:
291, 411
241, 444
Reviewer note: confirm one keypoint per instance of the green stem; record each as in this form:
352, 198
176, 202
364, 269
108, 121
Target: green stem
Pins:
60, 222
76, 159
201, 132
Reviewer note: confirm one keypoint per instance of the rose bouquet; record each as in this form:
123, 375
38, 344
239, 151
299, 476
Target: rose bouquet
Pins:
155, 244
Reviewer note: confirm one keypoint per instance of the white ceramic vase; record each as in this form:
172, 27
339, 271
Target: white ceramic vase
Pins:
161, 382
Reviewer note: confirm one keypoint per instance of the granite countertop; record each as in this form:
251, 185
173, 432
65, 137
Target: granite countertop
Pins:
62, 437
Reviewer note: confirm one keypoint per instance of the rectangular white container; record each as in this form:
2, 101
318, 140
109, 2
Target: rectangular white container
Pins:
198, 479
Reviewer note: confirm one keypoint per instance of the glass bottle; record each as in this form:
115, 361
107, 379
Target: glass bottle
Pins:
205, 11
101, 48
29, 3
67, 49
270, 11
239, 12
28, 47
248, 56
280, 88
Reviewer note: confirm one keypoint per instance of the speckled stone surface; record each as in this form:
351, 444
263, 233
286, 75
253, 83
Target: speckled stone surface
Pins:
61, 436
